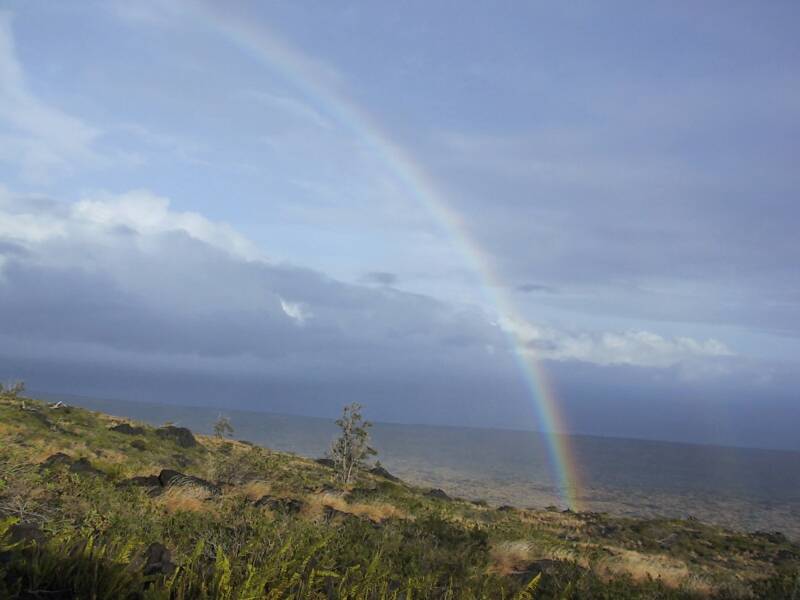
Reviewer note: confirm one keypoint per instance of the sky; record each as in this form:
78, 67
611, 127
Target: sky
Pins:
290, 206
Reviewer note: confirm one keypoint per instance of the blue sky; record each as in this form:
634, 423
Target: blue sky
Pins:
196, 205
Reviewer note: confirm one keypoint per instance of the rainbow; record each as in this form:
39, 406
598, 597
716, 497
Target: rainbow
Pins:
317, 85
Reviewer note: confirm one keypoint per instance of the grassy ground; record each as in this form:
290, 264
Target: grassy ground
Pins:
265, 524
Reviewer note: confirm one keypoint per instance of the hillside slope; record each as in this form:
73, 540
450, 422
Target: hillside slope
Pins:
94, 506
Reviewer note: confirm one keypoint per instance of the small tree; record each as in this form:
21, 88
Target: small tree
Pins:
12, 389
223, 427
351, 448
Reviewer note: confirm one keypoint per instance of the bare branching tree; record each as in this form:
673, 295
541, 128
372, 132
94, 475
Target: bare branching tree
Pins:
351, 449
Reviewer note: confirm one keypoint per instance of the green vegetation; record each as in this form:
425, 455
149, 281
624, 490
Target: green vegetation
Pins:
351, 449
93, 506
223, 427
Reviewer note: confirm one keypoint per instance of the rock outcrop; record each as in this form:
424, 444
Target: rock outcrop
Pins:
180, 435
128, 429
382, 472
170, 478
284, 505
437, 494
157, 561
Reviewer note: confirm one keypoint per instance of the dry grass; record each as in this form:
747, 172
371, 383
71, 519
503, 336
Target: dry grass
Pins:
112, 456
6, 429
44, 451
673, 572
185, 499
254, 490
375, 512
509, 557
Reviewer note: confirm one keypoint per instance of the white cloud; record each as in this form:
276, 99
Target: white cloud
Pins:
40, 139
295, 311
138, 210
632, 347
148, 213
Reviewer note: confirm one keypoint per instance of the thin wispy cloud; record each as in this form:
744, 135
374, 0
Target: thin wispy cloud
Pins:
40, 139
293, 108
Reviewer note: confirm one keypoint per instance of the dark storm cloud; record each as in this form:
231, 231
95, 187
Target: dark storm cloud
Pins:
743, 403
529, 288
168, 293
11, 249
380, 277
125, 298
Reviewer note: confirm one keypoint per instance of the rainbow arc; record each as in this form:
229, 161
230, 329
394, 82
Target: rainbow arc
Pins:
307, 77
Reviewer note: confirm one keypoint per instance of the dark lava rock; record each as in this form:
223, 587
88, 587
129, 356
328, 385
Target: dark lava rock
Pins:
326, 462
151, 482
589, 516
169, 478
784, 555
145, 481
669, 541
157, 561
59, 459
26, 532
607, 530
381, 472
776, 537
437, 493
84, 467
285, 505
128, 429
331, 514
506, 508
180, 435
55, 460
544, 565
139, 445
181, 460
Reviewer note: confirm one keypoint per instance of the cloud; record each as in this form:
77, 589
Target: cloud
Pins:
536, 287
380, 278
295, 311
185, 150
149, 214
130, 273
125, 296
626, 228
634, 347
33, 221
40, 139
294, 108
